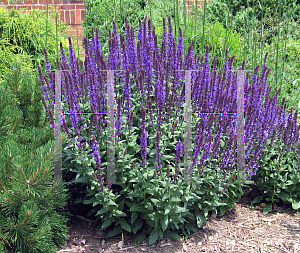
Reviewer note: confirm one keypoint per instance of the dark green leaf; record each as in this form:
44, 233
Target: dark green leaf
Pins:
106, 224
117, 230
165, 222
171, 235
125, 225
102, 210
141, 237
137, 208
89, 201
138, 224
153, 237
134, 216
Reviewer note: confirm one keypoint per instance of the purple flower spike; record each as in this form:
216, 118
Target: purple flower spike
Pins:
119, 119
96, 154
158, 153
179, 150
144, 137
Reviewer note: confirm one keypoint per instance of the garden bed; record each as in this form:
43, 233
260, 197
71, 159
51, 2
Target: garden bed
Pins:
239, 230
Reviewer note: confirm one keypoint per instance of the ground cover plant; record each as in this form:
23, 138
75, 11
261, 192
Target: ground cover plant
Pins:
33, 216
153, 199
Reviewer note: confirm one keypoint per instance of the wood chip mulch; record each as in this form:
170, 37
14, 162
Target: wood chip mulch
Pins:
239, 230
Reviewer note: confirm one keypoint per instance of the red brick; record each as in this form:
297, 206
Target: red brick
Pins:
31, 1
73, 18
27, 7
58, 1
41, 7
78, 17
67, 17
58, 6
62, 15
80, 7
43, 2
68, 6
82, 15
76, 2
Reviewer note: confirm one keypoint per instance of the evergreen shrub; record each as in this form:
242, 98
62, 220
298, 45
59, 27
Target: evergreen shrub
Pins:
33, 215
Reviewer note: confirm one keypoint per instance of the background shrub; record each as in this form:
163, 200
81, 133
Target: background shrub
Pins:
23, 37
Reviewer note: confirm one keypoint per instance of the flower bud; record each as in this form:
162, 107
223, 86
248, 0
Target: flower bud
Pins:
168, 170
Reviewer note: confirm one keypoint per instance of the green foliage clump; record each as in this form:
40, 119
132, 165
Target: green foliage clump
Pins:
33, 215
290, 66
149, 204
217, 9
278, 179
215, 35
23, 38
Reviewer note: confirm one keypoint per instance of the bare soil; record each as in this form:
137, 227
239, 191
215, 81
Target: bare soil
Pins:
240, 230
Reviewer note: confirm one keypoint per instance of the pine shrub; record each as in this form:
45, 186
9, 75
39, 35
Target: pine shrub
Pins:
33, 215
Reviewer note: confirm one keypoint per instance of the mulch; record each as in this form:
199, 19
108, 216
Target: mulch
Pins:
239, 230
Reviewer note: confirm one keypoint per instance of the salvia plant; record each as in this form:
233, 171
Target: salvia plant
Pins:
152, 197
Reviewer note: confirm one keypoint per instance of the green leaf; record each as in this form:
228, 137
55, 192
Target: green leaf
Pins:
149, 206
117, 230
181, 219
119, 213
153, 237
223, 210
171, 235
137, 208
134, 216
200, 218
89, 201
167, 157
78, 201
141, 237
267, 208
296, 205
175, 224
80, 180
111, 203
155, 201
165, 222
179, 209
175, 199
168, 208
106, 224
166, 196
161, 234
125, 225
138, 224
102, 210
